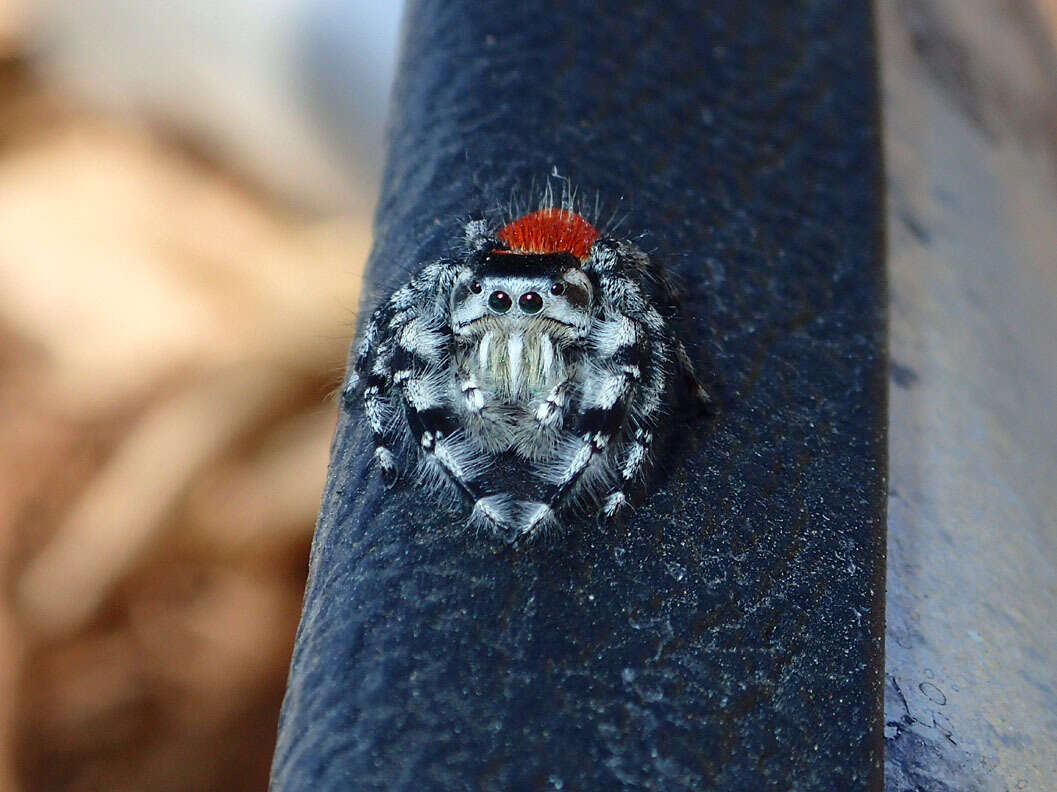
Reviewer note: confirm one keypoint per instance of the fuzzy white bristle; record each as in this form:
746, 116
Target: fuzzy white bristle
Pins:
546, 356
614, 503
493, 511
385, 459
515, 350
537, 517
483, 349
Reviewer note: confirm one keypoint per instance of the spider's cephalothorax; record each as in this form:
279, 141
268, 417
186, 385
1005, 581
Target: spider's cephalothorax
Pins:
527, 375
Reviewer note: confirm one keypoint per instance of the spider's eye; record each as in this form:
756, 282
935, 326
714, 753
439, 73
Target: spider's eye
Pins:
530, 303
475, 287
557, 289
500, 302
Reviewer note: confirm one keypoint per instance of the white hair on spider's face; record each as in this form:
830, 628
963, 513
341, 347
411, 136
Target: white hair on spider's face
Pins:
513, 318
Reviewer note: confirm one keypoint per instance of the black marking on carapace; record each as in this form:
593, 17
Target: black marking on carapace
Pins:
527, 265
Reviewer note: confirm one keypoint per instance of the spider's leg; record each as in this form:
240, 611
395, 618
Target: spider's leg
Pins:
373, 371
552, 408
636, 457
618, 371
645, 410
631, 296
378, 412
379, 329
373, 367
423, 292
689, 373
423, 374
449, 458
434, 428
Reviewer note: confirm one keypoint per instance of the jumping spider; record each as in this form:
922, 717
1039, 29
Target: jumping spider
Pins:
541, 356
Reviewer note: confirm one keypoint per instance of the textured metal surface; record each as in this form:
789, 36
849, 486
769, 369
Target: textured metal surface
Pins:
729, 636
970, 103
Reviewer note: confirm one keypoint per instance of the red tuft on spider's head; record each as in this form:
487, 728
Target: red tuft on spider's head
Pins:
550, 231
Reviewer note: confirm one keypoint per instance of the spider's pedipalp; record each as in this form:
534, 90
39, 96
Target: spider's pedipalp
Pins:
472, 394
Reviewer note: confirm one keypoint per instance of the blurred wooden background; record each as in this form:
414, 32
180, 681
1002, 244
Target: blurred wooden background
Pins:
170, 335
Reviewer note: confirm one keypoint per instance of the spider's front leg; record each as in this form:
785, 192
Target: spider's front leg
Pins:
645, 409
608, 387
376, 380
373, 369
552, 408
423, 373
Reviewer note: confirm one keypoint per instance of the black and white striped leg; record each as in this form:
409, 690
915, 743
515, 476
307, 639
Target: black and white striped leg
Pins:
434, 429
378, 411
632, 467
552, 408
417, 296
600, 418
449, 460
379, 331
372, 369
635, 453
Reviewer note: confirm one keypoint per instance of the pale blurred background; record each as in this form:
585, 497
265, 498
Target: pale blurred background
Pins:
182, 231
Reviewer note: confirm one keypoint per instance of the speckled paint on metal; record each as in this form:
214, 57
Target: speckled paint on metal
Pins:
729, 635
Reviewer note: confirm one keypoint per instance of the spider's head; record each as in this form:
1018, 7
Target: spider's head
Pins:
528, 278
523, 292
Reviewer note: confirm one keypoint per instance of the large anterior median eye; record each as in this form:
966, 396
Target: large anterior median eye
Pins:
530, 303
500, 302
